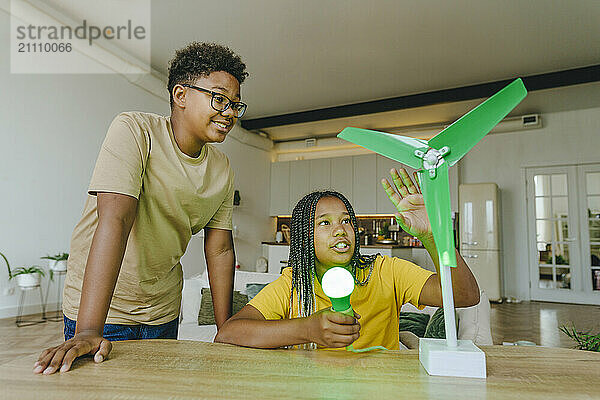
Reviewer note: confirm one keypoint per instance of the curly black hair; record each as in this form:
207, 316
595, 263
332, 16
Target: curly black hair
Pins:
200, 59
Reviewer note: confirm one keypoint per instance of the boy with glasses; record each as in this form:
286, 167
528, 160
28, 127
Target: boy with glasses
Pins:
157, 181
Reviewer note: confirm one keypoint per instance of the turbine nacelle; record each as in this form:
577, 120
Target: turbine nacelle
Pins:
432, 159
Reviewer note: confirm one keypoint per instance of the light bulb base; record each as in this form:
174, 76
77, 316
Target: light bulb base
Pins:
341, 304
349, 311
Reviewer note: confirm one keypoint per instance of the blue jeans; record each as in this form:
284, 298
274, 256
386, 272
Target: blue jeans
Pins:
115, 332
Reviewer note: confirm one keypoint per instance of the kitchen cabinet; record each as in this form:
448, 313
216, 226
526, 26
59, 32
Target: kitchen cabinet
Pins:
299, 181
356, 177
420, 256
404, 253
480, 244
365, 183
342, 176
277, 255
280, 188
479, 218
319, 174
416, 255
485, 267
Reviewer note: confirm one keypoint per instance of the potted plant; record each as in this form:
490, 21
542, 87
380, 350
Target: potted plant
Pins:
583, 340
28, 276
57, 263
7, 266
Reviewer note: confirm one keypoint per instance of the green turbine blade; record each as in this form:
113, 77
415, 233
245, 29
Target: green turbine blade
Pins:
467, 131
396, 147
436, 193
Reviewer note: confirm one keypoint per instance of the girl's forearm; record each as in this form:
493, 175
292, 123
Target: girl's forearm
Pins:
464, 284
265, 334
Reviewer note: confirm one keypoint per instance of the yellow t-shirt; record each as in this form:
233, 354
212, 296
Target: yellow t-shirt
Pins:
177, 197
393, 283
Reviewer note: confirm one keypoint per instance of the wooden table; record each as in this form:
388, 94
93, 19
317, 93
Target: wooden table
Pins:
160, 369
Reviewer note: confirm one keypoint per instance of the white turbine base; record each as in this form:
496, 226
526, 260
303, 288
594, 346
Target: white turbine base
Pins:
465, 360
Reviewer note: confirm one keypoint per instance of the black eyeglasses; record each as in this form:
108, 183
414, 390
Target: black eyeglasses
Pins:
220, 102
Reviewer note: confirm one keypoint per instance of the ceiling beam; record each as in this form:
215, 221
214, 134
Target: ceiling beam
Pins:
534, 82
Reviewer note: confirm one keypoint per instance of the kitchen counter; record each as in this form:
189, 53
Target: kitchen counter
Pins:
277, 254
388, 246
362, 246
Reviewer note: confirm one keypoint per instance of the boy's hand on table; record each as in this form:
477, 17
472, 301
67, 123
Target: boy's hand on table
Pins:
61, 357
408, 200
333, 329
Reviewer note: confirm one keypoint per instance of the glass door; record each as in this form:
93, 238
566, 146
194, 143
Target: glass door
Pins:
563, 207
553, 228
589, 177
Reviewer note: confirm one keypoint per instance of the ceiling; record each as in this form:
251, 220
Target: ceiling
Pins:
311, 54
538, 102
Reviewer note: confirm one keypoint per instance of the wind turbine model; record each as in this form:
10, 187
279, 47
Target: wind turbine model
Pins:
432, 159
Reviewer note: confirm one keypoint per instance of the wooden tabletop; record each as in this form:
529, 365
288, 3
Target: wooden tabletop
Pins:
160, 369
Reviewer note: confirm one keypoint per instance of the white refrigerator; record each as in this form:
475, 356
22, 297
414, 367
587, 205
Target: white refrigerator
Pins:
480, 235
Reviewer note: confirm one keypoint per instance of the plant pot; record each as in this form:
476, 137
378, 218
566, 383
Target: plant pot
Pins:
28, 280
58, 266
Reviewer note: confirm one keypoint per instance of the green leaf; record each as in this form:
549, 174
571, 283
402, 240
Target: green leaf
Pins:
585, 340
10, 275
35, 269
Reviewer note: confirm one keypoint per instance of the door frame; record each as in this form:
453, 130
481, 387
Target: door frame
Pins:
585, 233
581, 286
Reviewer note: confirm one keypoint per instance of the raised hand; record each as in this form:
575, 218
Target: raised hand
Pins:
408, 200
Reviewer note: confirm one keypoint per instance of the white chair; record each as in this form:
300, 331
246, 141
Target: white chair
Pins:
192, 298
473, 323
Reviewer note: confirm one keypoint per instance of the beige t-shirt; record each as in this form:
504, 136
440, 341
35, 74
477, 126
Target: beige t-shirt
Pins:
177, 197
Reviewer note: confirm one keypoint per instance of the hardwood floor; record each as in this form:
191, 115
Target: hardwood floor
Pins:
16, 342
533, 321
539, 322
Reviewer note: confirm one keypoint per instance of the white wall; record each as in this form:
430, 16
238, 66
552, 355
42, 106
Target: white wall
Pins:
51, 129
570, 137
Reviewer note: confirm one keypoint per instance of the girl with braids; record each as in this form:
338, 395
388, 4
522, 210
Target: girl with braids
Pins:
293, 310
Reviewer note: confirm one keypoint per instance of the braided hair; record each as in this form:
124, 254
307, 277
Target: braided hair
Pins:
302, 252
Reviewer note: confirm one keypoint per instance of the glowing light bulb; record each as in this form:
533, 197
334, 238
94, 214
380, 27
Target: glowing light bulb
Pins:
338, 285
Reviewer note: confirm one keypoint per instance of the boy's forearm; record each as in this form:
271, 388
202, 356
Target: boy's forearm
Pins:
264, 334
101, 273
220, 272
